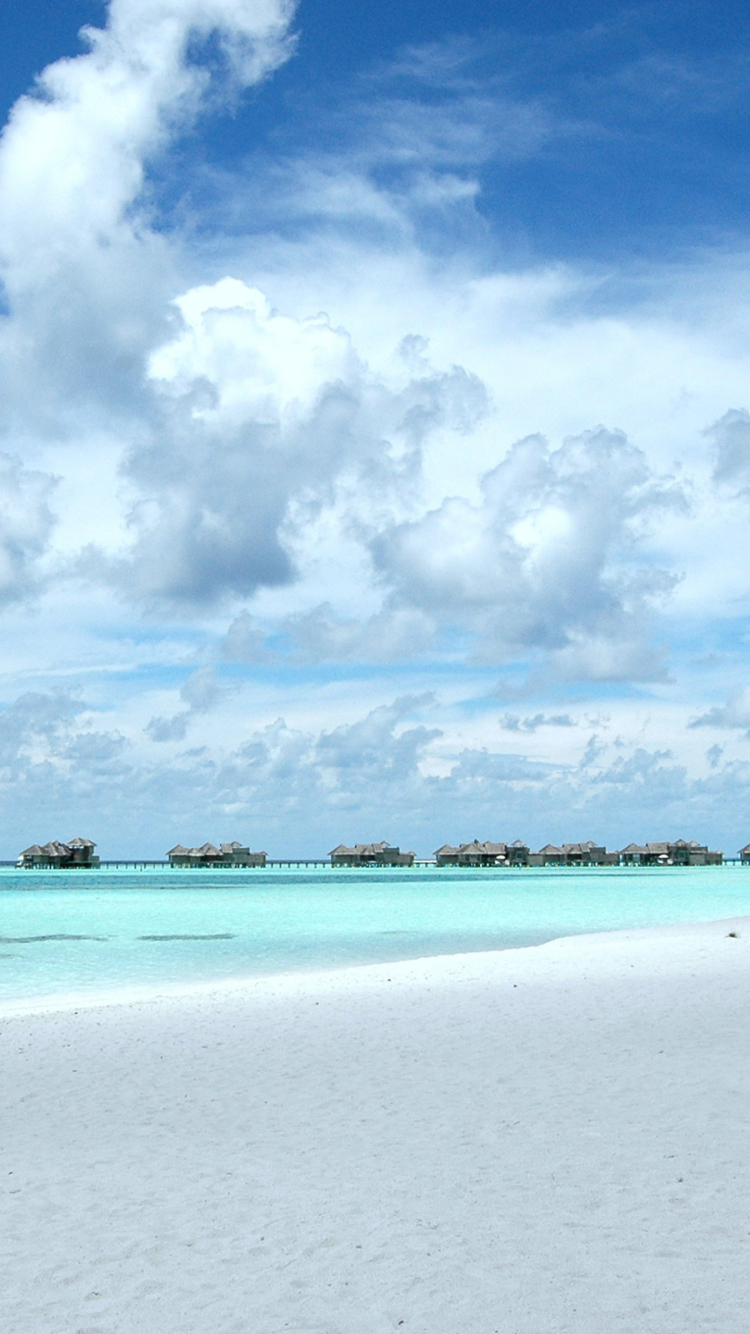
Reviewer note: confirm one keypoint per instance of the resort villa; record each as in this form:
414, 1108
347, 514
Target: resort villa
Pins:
370, 854
483, 854
574, 854
227, 854
680, 853
77, 852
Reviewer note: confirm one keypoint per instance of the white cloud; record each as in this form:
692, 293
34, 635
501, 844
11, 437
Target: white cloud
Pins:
730, 437
202, 693
261, 418
26, 523
734, 714
85, 274
73, 153
513, 723
553, 552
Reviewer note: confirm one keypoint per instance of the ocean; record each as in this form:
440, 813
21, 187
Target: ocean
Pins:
67, 934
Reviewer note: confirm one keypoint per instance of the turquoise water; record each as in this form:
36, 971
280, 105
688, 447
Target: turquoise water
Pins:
101, 930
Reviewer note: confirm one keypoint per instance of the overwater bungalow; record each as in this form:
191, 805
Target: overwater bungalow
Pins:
549, 855
370, 854
472, 854
679, 853
477, 853
517, 853
227, 854
77, 852
744, 853
589, 854
574, 854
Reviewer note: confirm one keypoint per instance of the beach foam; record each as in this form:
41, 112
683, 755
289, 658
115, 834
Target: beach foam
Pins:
547, 1139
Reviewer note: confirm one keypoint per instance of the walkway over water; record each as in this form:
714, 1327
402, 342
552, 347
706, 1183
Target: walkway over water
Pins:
324, 863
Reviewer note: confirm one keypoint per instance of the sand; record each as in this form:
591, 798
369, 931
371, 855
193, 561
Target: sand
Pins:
548, 1139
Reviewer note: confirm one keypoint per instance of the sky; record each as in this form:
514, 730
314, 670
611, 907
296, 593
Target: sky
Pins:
375, 417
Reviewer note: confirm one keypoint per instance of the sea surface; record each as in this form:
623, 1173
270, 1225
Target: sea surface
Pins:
63, 934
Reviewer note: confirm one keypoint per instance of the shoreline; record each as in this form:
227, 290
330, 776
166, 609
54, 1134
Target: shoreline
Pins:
357, 976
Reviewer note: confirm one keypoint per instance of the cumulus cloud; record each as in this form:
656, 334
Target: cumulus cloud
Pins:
202, 693
553, 559
261, 419
366, 766
73, 152
36, 720
169, 729
734, 714
646, 769
549, 557
85, 272
246, 418
511, 722
49, 745
392, 635
246, 640
320, 635
26, 523
730, 438
373, 747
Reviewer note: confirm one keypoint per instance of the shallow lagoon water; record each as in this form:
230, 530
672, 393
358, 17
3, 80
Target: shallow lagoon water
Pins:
106, 930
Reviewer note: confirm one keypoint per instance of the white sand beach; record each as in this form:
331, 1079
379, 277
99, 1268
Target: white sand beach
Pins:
542, 1141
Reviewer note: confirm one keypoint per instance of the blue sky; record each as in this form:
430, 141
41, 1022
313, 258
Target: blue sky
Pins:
375, 436
641, 111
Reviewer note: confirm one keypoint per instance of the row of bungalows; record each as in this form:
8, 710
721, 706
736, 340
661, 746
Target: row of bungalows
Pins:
519, 853
227, 854
574, 854
483, 854
77, 852
679, 853
370, 854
